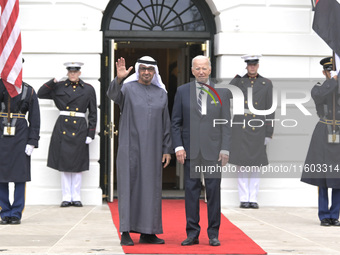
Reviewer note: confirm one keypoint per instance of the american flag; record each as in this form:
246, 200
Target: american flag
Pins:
10, 47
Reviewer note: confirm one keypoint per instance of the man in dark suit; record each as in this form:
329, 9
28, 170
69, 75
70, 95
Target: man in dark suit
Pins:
199, 145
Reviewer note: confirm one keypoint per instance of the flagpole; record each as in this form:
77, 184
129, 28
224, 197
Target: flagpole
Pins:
334, 69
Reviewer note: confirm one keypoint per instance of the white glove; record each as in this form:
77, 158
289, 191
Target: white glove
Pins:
267, 140
333, 73
59, 78
242, 72
29, 149
88, 140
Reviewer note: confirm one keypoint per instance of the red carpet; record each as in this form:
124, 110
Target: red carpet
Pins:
233, 240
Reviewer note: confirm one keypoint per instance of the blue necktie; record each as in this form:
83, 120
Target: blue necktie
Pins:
199, 100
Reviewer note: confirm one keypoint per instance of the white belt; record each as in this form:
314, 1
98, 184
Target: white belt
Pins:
246, 111
72, 114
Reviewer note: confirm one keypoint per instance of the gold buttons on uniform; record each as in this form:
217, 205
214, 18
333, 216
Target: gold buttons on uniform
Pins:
66, 120
67, 107
255, 102
77, 109
64, 133
75, 122
246, 102
73, 134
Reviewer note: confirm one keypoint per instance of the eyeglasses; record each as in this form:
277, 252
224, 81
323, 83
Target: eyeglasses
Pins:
150, 69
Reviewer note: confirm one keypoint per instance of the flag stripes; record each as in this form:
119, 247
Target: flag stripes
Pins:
10, 47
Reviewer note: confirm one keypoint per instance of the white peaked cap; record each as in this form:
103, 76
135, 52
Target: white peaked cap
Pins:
73, 65
251, 58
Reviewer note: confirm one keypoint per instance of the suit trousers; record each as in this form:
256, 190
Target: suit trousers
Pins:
70, 185
324, 211
16, 208
193, 188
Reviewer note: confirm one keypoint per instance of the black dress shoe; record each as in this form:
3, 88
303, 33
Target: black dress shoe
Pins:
334, 222
214, 242
15, 220
244, 205
5, 220
325, 222
190, 241
126, 239
150, 238
253, 205
77, 204
65, 204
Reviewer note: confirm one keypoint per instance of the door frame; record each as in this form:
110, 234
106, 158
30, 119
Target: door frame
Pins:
109, 124
190, 37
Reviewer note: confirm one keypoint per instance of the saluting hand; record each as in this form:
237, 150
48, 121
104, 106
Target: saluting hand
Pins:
121, 69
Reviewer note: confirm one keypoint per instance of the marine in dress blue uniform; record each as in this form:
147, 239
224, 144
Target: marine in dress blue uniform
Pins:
72, 133
19, 135
248, 143
322, 165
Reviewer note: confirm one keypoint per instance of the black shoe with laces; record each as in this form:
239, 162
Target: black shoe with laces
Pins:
190, 241
334, 222
325, 222
65, 204
15, 220
5, 220
214, 242
253, 205
77, 204
244, 205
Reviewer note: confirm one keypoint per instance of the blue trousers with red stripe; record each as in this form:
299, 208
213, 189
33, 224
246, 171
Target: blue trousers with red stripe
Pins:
16, 208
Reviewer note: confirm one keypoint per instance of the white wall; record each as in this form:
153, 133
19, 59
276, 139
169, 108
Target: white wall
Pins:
54, 32
280, 30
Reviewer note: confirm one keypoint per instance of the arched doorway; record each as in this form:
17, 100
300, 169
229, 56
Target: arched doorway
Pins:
172, 32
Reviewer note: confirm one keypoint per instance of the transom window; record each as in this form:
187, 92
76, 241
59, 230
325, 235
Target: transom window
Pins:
157, 15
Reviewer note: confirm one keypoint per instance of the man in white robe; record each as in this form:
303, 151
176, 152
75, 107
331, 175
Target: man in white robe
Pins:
144, 144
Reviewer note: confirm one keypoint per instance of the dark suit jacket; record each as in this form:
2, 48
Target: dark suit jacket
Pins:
196, 132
